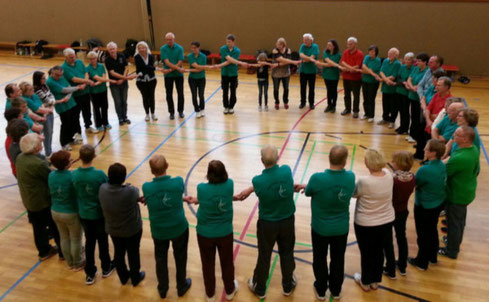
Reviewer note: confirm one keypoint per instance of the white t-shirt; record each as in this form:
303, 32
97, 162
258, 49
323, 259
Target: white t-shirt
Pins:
374, 203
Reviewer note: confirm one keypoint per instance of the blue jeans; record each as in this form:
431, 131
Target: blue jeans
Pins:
119, 94
48, 133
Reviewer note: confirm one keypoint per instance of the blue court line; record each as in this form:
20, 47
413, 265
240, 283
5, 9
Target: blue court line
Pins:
482, 143
8, 186
20, 280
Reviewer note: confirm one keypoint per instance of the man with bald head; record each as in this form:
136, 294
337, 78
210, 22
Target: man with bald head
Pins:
351, 63
172, 57
447, 126
276, 208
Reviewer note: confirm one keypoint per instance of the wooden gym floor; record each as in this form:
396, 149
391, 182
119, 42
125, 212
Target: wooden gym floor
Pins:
304, 138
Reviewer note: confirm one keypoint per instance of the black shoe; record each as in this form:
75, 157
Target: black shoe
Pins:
328, 109
124, 281
183, 291
391, 275
312, 107
172, 116
402, 270
127, 121
444, 222
414, 262
163, 294
355, 114
302, 105
345, 112
142, 274
444, 239
121, 123
443, 251
289, 292
181, 115
52, 251
109, 271
90, 279
333, 110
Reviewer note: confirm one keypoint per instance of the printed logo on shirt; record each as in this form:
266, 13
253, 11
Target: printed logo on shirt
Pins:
165, 201
342, 196
221, 206
281, 191
89, 189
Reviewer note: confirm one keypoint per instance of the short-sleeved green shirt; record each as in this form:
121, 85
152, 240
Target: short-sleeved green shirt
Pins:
416, 76
431, 179
331, 192
275, 191
309, 67
201, 59
402, 76
446, 128
163, 197
215, 213
33, 102
63, 195
173, 54
390, 69
331, 73
87, 182
463, 167
56, 87
232, 69
373, 64
97, 71
78, 70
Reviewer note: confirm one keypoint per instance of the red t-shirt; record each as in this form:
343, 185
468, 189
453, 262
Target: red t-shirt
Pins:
352, 59
435, 106
8, 141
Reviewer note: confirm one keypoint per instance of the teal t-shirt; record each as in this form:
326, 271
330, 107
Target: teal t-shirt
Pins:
416, 76
402, 76
446, 127
373, 64
8, 104
87, 182
215, 213
309, 67
28, 119
201, 59
232, 69
33, 102
173, 54
97, 71
431, 179
78, 70
164, 200
331, 192
390, 69
429, 93
331, 73
56, 87
275, 191
63, 195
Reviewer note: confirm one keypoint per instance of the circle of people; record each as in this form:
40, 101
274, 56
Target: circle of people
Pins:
66, 204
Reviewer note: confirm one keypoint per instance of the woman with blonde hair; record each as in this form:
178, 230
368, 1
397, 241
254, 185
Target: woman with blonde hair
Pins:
281, 56
146, 80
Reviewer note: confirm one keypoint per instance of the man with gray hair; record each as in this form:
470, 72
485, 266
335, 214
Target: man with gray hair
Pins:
388, 73
351, 61
309, 53
448, 124
434, 64
75, 73
275, 190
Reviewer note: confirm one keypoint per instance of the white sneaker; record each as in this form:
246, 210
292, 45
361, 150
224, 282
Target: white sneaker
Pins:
231, 295
154, 117
77, 137
147, 118
252, 286
198, 115
410, 140
370, 120
260, 108
358, 279
202, 113
211, 299
226, 110
391, 125
364, 117
91, 130
231, 111
381, 122
374, 286
336, 297
294, 284
67, 148
266, 108
320, 298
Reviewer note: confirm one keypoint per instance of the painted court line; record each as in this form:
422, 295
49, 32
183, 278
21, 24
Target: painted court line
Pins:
20, 280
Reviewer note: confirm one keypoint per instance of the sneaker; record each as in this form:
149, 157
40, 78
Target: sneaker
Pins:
127, 121
226, 111
370, 120
318, 296
381, 122
402, 270
101, 128
231, 111
391, 125
108, 126
90, 279
266, 108
286, 106
211, 299
154, 117
183, 291
109, 271
333, 110
327, 109
374, 286
277, 106
230, 296
358, 279
172, 116
79, 267
337, 297
391, 276
355, 115
364, 117
181, 115
444, 222
252, 286
414, 262
52, 251
443, 251
444, 229
294, 284
78, 137
434, 261
312, 107
142, 274
411, 140
345, 112
67, 147
121, 123
302, 105
91, 130
202, 113
147, 118
260, 108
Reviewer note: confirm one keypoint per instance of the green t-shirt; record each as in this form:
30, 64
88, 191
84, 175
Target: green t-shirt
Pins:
33, 102
8, 105
331, 192
402, 76
309, 67
416, 76
63, 195
97, 71
446, 127
173, 54
28, 119
331, 73
87, 182
476, 143
431, 181
373, 64
462, 170
200, 60
390, 69
56, 87
163, 197
429, 93
78, 70
230, 70
215, 213
275, 191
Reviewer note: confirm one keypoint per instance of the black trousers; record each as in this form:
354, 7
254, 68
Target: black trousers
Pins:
332, 92
43, 225
402, 245
129, 245
147, 90
262, 91
352, 87
421, 139
371, 244
307, 79
389, 107
276, 86
83, 103
197, 87
415, 118
283, 233
169, 93
100, 106
369, 91
69, 125
456, 215
404, 104
229, 85
180, 245
337, 246
95, 233
426, 221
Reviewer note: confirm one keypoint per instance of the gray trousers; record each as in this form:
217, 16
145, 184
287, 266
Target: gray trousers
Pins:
70, 233
456, 215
